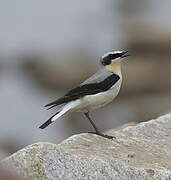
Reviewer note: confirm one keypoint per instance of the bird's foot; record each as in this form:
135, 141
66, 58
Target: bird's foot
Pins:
102, 135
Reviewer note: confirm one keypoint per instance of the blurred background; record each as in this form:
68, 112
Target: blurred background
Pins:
39, 40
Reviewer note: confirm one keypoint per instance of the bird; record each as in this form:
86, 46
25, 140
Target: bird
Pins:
95, 92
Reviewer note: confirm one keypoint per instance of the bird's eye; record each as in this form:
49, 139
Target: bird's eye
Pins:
114, 56
106, 60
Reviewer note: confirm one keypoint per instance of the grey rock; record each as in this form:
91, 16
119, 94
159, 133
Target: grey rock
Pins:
140, 152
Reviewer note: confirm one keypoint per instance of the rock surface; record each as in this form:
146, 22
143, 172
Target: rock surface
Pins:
141, 152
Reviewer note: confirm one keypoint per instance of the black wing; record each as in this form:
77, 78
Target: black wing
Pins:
100, 82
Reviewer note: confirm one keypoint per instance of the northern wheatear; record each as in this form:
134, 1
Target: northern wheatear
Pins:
97, 91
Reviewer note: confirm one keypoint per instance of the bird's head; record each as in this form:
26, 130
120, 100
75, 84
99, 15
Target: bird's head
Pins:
112, 57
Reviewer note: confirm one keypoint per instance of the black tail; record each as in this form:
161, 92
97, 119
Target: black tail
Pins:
48, 122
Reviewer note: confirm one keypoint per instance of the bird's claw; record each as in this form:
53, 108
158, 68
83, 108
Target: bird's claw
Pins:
102, 135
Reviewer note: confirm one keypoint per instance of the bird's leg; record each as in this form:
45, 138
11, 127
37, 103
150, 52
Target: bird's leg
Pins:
96, 129
92, 123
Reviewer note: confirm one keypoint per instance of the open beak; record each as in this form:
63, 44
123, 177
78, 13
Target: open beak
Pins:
124, 54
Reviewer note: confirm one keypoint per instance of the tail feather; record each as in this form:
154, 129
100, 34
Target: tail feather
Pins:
64, 110
48, 122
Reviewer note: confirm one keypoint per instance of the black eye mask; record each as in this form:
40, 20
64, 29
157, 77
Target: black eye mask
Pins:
107, 59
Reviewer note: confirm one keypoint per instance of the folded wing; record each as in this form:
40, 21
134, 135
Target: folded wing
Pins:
99, 82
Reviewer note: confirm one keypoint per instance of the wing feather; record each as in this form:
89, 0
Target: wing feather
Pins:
100, 82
